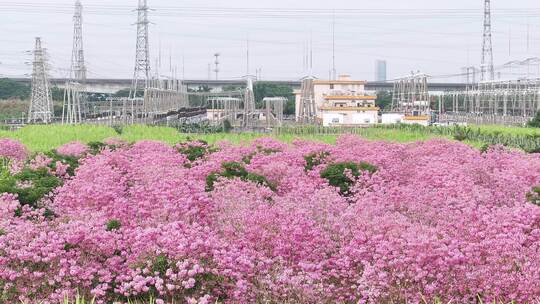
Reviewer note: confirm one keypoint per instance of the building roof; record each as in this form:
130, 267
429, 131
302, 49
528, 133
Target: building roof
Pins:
416, 118
350, 109
328, 82
349, 97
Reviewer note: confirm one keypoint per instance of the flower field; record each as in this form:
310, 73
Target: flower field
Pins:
269, 222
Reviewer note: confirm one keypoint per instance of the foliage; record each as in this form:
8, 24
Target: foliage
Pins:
13, 109
113, 225
227, 126
11, 89
440, 222
535, 122
96, 147
200, 128
195, 149
534, 196
236, 170
72, 162
461, 133
126, 92
315, 159
342, 175
384, 100
30, 186
263, 89
57, 94
118, 129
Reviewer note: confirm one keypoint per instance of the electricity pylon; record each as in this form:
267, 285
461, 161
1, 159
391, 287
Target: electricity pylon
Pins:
488, 71
250, 115
41, 107
141, 75
74, 97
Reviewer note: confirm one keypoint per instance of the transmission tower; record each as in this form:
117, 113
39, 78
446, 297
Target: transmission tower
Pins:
308, 108
41, 107
488, 72
141, 74
249, 105
74, 98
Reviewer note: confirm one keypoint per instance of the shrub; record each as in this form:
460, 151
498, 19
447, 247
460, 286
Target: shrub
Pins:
113, 225
195, 150
71, 161
535, 122
96, 147
337, 176
534, 196
462, 133
29, 185
236, 170
315, 159
227, 126
118, 129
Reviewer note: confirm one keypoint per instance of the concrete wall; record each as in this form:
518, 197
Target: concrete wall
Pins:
336, 118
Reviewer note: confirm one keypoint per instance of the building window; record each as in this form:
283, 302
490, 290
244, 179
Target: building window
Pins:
335, 120
331, 86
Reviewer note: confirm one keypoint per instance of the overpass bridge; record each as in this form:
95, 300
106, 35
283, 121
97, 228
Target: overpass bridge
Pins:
111, 86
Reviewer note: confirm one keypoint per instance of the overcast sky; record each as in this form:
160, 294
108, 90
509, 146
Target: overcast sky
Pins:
434, 36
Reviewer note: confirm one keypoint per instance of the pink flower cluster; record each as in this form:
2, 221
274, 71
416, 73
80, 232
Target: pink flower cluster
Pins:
75, 149
438, 221
13, 150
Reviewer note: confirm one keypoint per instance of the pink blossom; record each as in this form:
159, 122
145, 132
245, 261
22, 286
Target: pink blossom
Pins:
12, 149
438, 221
76, 149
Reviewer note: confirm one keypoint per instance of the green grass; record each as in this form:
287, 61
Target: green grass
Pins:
46, 138
507, 130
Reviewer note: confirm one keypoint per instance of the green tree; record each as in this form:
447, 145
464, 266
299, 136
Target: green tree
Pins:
11, 89
232, 88
535, 122
266, 89
57, 94
384, 100
126, 92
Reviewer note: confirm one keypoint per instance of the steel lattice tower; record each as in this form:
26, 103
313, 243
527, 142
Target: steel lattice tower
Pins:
141, 74
249, 104
488, 72
74, 98
41, 107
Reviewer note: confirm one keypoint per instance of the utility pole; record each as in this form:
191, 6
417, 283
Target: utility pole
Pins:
74, 99
41, 107
216, 62
141, 75
487, 70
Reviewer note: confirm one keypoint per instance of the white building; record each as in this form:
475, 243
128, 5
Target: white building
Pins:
349, 110
342, 102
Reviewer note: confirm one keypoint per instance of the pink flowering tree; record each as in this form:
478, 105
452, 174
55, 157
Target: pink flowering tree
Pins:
74, 149
422, 222
12, 152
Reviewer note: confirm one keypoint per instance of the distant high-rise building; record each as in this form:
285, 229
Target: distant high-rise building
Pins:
380, 70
